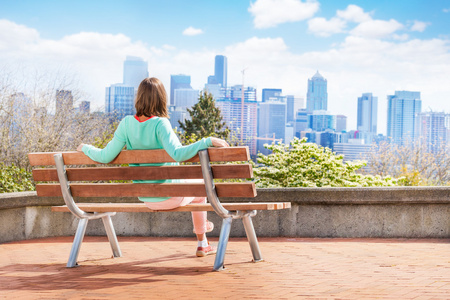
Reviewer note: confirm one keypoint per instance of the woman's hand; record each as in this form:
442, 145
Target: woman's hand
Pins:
219, 142
80, 147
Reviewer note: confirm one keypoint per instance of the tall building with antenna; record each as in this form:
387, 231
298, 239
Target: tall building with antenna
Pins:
317, 95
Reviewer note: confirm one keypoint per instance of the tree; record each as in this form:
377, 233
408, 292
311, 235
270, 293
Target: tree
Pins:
303, 164
206, 120
413, 162
32, 119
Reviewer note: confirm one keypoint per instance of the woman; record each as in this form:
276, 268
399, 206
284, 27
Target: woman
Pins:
150, 129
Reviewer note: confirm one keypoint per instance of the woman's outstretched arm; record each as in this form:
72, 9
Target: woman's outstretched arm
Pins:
111, 150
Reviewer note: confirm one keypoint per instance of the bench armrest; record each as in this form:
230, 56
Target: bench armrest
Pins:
210, 188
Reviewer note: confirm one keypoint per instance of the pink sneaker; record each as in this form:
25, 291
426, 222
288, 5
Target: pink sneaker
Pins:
204, 251
209, 227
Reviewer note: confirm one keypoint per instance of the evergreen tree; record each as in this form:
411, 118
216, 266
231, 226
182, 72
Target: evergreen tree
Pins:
206, 120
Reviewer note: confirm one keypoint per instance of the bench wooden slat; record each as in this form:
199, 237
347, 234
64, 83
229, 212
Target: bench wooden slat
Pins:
138, 156
145, 173
140, 207
232, 189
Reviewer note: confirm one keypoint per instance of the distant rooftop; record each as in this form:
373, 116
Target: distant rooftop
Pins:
318, 76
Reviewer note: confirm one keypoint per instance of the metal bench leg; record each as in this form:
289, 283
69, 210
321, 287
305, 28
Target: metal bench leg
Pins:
222, 246
251, 236
82, 224
110, 232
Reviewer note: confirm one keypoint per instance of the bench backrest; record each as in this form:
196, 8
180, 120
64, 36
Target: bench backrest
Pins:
83, 179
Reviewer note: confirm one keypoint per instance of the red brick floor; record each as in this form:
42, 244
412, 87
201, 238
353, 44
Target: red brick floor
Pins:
166, 268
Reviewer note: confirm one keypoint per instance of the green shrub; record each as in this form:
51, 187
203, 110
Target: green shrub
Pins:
14, 179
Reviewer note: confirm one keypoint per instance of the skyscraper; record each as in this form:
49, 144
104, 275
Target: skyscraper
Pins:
215, 90
354, 149
317, 96
212, 80
135, 69
293, 105
186, 98
119, 100
231, 108
272, 121
178, 82
341, 123
267, 94
367, 113
431, 129
321, 120
220, 70
403, 108
177, 114
301, 122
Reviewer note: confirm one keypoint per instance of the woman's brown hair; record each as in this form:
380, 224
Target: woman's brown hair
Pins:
151, 99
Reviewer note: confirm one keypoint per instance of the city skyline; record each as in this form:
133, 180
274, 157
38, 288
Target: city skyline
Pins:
376, 47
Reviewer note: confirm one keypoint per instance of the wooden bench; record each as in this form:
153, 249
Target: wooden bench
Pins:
72, 183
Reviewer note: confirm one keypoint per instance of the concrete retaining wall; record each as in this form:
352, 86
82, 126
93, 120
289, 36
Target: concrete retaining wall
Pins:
413, 212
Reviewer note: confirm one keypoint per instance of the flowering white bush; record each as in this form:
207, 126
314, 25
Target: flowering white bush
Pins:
303, 164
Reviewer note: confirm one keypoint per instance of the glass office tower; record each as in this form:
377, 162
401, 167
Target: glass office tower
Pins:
119, 100
321, 120
431, 129
271, 94
272, 123
317, 96
231, 108
403, 109
178, 82
135, 69
220, 70
367, 113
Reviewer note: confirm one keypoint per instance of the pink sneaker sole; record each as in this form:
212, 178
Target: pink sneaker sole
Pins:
204, 251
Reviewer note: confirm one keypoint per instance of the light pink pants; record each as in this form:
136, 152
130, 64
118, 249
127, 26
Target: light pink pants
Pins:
198, 217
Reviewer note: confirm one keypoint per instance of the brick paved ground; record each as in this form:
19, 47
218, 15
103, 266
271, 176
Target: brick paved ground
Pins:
165, 268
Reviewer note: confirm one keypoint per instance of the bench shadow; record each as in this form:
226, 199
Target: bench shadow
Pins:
92, 277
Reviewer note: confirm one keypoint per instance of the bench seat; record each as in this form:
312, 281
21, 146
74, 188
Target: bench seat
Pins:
141, 207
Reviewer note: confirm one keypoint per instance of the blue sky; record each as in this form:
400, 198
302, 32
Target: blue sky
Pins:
359, 46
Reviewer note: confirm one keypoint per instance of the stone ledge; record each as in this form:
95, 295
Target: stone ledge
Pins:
400, 212
301, 196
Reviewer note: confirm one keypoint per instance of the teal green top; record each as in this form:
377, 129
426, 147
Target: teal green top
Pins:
154, 133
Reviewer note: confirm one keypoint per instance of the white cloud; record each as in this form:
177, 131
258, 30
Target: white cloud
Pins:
446, 10
168, 47
323, 27
419, 26
353, 13
191, 31
270, 13
15, 35
376, 28
259, 47
400, 37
